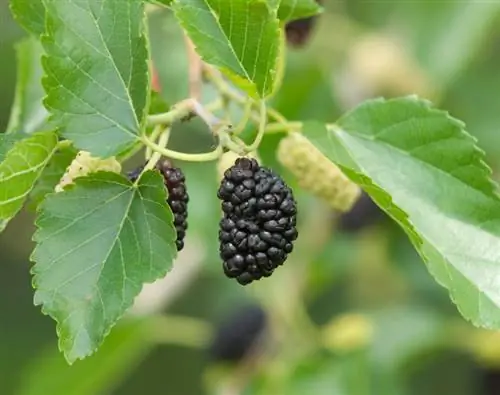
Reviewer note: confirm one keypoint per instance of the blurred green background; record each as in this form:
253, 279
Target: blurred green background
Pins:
388, 328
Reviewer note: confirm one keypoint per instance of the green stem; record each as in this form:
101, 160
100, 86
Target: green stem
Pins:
64, 144
154, 136
162, 142
227, 90
185, 331
247, 113
284, 127
206, 157
181, 110
262, 127
156, 156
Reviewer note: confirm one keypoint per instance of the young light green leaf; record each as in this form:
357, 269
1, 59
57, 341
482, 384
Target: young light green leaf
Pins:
240, 37
51, 175
30, 14
28, 114
20, 168
97, 72
97, 244
290, 10
424, 170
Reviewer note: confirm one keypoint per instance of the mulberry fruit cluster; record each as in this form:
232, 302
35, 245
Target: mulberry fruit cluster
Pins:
258, 227
315, 173
178, 197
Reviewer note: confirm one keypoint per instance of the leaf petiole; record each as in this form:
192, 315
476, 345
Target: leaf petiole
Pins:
205, 157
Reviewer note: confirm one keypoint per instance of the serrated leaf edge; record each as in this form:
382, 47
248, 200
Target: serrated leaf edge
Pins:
77, 184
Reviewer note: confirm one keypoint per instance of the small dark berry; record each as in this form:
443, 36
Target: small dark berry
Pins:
259, 221
178, 198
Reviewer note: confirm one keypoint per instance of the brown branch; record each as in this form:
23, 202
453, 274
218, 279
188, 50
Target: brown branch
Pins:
195, 70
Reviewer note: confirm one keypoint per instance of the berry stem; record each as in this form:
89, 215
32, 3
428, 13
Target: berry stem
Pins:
247, 113
205, 157
64, 144
154, 156
181, 110
286, 127
262, 127
154, 136
230, 93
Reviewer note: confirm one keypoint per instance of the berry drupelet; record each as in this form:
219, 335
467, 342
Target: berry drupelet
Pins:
178, 197
258, 228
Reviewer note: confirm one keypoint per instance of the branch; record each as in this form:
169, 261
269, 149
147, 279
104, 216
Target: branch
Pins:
195, 69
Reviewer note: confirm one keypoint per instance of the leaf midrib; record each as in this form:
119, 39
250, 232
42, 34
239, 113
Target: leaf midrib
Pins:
214, 15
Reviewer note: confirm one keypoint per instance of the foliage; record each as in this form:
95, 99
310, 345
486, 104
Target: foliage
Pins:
86, 82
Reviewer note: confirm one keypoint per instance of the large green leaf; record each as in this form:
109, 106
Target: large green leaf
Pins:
28, 114
97, 244
290, 10
30, 14
424, 170
241, 37
97, 72
22, 162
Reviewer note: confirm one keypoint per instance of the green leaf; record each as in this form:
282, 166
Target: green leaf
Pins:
28, 114
126, 346
30, 14
97, 244
51, 175
240, 37
166, 3
290, 10
22, 163
425, 171
97, 72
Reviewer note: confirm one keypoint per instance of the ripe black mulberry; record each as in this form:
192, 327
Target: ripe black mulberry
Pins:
258, 227
178, 197
238, 334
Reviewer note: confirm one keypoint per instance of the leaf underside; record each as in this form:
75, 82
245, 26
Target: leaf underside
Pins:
425, 171
97, 244
22, 161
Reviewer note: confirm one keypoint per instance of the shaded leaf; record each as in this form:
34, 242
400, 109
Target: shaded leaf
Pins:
290, 10
30, 14
28, 114
97, 244
241, 37
22, 164
425, 171
51, 175
97, 72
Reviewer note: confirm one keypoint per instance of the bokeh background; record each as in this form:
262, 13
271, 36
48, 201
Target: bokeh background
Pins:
359, 290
